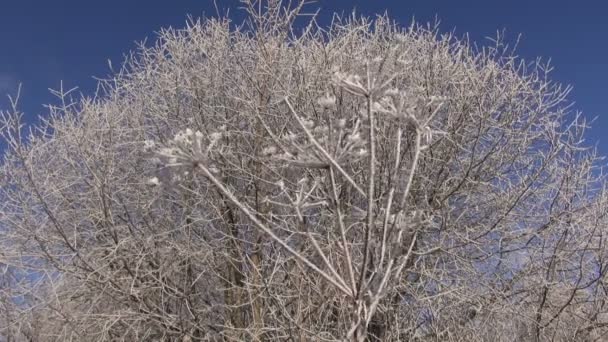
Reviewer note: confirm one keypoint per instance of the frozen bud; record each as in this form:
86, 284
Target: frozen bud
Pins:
355, 137
285, 155
355, 79
198, 135
156, 161
179, 136
309, 123
188, 132
378, 108
404, 62
213, 169
320, 129
341, 123
149, 145
281, 184
327, 101
291, 136
339, 76
437, 99
270, 150
391, 92
215, 136
153, 181
361, 152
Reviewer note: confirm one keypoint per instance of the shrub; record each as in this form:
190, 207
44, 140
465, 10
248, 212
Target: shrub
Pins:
360, 182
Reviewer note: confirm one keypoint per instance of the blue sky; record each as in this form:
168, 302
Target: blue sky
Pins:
44, 42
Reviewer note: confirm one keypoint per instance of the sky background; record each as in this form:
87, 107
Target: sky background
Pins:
44, 42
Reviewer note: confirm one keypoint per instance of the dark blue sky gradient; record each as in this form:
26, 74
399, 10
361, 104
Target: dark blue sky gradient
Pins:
43, 42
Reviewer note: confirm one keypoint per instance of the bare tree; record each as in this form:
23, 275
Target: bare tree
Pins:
360, 182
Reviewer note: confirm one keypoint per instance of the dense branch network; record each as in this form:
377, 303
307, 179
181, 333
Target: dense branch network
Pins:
360, 182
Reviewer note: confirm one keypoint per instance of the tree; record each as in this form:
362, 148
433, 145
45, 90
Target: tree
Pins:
360, 182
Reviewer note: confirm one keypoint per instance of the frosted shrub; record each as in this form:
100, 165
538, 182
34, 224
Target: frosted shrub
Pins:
360, 182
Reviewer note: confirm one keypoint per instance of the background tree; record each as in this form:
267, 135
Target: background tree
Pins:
360, 182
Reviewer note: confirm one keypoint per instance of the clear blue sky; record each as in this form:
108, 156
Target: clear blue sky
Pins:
43, 42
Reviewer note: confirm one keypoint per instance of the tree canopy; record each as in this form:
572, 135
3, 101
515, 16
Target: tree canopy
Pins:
356, 182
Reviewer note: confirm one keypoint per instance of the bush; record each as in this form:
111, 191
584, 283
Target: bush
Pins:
360, 182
